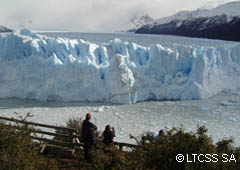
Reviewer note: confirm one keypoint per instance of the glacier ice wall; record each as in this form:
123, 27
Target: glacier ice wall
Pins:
33, 66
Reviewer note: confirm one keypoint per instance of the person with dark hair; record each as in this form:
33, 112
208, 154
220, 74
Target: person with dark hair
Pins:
161, 136
88, 136
108, 134
160, 133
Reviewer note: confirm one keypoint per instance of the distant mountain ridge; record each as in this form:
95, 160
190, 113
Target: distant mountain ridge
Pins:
222, 22
137, 22
5, 29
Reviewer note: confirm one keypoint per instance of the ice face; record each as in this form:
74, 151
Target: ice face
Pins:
39, 67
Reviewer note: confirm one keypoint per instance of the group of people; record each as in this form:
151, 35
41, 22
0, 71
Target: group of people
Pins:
89, 137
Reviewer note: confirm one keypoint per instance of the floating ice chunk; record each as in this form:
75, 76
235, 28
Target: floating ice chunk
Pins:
232, 119
168, 127
107, 107
225, 104
233, 101
101, 109
146, 110
205, 108
118, 115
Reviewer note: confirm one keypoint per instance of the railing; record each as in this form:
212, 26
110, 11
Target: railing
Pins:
71, 139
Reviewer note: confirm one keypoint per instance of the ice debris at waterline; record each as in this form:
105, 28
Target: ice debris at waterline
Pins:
33, 66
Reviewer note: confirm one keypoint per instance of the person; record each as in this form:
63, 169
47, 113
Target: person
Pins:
161, 136
160, 133
108, 134
88, 136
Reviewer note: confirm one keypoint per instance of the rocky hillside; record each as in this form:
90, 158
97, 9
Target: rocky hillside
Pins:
5, 29
222, 22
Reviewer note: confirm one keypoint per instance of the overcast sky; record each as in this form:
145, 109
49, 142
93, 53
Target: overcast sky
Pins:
89, 15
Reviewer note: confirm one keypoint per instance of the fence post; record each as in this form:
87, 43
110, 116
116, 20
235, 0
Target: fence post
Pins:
121, 147
73, 139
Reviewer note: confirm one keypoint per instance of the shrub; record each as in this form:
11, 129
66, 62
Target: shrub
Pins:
74, 123
105, 159
161, 153
19, 152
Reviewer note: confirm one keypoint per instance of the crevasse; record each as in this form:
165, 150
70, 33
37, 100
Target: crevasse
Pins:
38, 67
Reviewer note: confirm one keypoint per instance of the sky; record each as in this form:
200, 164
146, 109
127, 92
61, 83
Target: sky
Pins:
89, 15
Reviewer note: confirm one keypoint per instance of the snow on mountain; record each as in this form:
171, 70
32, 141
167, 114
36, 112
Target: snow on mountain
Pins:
230, 9
4, 29
136, 22
221, 22
33, 66
210, 4
181, 16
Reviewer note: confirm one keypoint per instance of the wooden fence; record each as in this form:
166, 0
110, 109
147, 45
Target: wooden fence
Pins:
70, 136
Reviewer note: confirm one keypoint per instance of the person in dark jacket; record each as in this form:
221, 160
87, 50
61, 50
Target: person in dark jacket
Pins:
108, 134
88, 136
161, 136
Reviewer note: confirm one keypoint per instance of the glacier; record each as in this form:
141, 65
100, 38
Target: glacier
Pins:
34, 66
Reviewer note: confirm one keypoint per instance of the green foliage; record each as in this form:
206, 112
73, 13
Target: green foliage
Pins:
74, 123
160, 153
108, 158
19, 152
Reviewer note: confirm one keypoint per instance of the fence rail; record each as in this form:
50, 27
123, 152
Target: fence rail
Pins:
36, 124
70, 135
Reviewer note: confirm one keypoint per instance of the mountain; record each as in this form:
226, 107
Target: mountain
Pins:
222, 22
136, 22
5, 29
